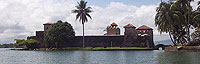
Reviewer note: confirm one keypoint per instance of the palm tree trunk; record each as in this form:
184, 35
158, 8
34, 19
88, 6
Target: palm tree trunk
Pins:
83, 37
188, 28
188, 34
172, 39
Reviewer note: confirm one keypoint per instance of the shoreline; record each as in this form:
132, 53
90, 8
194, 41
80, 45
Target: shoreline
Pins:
183, 49
90, 49
167, 49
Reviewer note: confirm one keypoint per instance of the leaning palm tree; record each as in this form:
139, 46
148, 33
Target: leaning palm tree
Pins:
82, 12
186, 9
163, 19
168, 19
176, 18
198, 5
195, 17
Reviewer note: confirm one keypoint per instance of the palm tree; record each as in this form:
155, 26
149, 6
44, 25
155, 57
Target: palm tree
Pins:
196, 34
82, 12
186, 9
163, 19
196, 22
168, 19
176, 18
195, 17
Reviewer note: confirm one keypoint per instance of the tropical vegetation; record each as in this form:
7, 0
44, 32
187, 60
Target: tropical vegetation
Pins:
7, 45
59, 34
196, 34
29, 44
177, 18
82, 12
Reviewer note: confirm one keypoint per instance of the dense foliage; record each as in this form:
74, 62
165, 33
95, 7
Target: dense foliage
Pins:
59, 34
195, 42
196, 34
30, 44
82, 12
177, 18
6, 46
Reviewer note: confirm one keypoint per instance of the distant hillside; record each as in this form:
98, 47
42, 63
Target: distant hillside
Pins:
166, 42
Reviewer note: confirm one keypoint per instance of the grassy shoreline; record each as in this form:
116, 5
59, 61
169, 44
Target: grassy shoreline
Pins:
94, 49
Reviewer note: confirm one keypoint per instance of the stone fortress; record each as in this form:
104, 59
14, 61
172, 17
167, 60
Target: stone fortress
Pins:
133, 37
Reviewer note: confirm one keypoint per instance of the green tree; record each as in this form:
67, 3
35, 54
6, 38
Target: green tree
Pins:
82, 12
196, 17
163, 19
196, 23
199, 5
185, 8
176, 18
30, 44
59, 34
196, 34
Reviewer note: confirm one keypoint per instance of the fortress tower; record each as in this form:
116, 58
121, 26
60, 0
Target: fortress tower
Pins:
129, 35
47, 26
145, 31
113, 30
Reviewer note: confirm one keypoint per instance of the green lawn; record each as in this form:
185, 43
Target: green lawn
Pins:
102, 48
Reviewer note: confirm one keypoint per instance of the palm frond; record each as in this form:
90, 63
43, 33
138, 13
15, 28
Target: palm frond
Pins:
199, 3
78, 15
82, 12
88, 15
75, 11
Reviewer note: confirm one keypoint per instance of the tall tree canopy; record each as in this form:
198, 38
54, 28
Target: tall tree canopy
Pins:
82, 12
196, 24
168, 21
176, 18
59, 34
196, 17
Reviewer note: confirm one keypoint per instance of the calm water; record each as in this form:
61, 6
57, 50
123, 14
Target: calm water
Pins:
98, 57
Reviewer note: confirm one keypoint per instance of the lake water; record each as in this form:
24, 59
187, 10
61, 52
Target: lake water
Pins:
98, 57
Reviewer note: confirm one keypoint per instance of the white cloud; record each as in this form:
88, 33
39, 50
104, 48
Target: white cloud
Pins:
194, 4
21, 18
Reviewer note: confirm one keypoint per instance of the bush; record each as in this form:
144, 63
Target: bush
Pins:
30, 44
195, 42
59, 34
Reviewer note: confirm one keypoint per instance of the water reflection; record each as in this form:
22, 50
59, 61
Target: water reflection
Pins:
98, 57
178, 57
116, 57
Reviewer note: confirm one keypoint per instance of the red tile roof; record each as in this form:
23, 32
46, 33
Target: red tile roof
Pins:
144, 27
113, 24
47, 23
129, 26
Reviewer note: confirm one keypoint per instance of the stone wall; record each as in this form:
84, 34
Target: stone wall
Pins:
146, 32
130, 39
39, 37
144, 41
98, 41
108, 41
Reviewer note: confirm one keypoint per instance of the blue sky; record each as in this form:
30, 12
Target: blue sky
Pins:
104, 3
